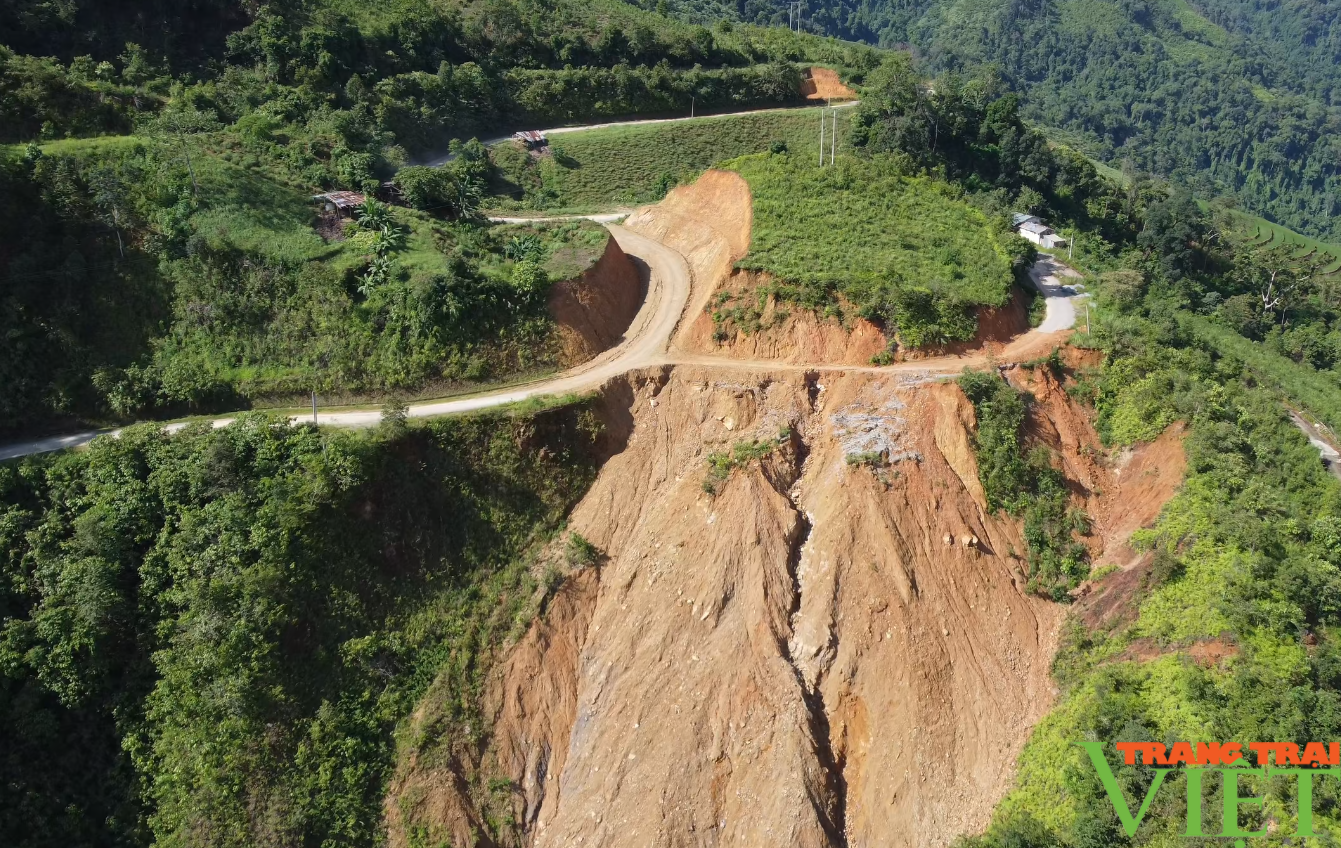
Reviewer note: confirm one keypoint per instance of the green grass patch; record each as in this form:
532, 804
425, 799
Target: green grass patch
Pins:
722, 463
1260, 232
904, 250
596, 169
1314, 390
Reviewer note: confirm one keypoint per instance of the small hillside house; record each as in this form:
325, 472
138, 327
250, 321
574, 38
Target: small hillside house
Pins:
1033, 228
341, 203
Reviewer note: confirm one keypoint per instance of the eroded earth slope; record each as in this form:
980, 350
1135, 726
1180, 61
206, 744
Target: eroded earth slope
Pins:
804, 627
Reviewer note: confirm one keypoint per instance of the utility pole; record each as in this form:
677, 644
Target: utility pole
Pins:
833, 138
314, 409
821, 138
691, 107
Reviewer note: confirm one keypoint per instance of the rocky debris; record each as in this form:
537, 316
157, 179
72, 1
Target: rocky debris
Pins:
865, 429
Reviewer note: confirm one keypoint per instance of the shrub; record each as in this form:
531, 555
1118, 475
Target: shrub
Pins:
423, 187
1025, 484
580, 553
720, 464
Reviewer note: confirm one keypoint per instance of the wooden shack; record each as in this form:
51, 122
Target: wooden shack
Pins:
341, 203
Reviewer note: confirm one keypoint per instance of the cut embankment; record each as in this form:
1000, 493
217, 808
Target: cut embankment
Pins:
804, 629
708, 222
745, 314
593, 311
825, 84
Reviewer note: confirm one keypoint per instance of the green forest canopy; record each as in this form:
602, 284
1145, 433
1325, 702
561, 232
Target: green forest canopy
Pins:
1230, 97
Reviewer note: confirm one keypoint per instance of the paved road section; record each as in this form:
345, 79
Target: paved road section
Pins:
1061, 297
602, 218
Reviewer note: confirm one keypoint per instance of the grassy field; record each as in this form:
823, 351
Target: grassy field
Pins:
861, 226
597, 169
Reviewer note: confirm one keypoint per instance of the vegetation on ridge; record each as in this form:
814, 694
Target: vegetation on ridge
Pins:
1226, 97
213, 638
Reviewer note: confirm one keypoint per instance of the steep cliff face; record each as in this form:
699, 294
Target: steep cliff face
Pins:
823, 652
593, 311
805, 628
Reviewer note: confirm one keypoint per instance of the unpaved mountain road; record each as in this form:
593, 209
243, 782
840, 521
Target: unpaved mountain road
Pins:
439, 161
647, 342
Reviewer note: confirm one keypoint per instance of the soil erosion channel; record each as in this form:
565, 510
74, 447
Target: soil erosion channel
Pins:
803, 651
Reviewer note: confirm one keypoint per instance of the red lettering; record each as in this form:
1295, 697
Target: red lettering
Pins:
1181, 754
1128, 751
1230, 753
1289, 752
1262, 750
1314, 755
1154, 754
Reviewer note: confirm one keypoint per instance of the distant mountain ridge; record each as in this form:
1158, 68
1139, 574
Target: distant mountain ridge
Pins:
1227, 96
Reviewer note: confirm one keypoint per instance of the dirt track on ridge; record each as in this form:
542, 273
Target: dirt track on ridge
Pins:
677, 288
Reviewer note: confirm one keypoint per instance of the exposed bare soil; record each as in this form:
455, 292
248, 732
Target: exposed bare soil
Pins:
593, 311
811, 652
818, 654
824, 84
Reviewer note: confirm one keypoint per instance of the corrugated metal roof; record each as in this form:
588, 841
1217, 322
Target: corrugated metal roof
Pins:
343, 199
1019, 218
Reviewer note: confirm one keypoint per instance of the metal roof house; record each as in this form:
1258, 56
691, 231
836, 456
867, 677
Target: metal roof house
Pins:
1033, 228
533, 139
343, 202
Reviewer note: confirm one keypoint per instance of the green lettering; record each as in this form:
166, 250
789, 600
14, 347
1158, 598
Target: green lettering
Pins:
1110, 784
1306, 794
1194, 802
1230, 825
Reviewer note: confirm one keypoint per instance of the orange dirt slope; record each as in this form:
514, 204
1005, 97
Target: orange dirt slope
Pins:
818, 654
809, 652
593, 311
824, 84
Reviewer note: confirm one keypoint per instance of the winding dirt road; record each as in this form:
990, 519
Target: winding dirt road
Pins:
647, 342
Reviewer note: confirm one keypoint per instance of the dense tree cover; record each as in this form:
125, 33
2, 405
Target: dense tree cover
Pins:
151, 281
1238, 102
418, 72
176, 268
209, 639
1244, 559
186, 33
968, 129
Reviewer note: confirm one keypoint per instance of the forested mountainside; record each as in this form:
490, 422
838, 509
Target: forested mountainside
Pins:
165, 255
1227, 96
